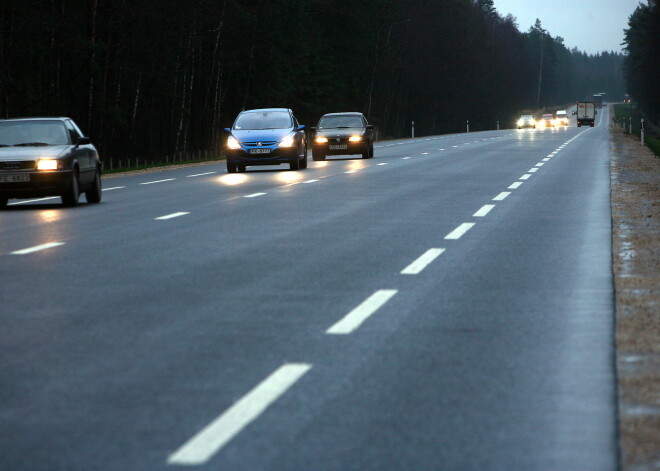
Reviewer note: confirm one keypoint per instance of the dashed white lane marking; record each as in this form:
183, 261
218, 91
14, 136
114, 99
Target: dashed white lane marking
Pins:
515, 185
454, 146
382, 163
501, 196
405, 158
525, 177
540, 164
200, 174
422, 262
208, 441
351, 171
158, 181
311, 181
33, 201
546, 159
440, 149
254, 195
114, 188
171, 216
532, 170
357, 316
425, 153
484, 210
459, 231
37, 248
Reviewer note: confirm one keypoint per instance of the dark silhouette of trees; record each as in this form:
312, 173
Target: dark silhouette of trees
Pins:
642, 64
152, 79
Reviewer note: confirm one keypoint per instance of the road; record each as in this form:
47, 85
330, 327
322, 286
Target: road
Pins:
447, 305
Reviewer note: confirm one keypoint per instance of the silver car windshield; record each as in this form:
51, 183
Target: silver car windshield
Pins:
254, 120
33, 133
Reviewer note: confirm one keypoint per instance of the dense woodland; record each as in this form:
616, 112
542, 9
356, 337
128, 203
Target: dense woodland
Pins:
642, 63
151, 78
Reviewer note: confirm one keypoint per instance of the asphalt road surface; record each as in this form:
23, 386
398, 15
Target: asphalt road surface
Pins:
447, 305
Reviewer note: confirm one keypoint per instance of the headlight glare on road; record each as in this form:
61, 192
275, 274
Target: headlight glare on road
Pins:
47, 164
287, 142
233, 143
321, 139
355, 139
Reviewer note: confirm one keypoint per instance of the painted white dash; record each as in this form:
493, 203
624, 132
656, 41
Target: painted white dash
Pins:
171, 216
540, 164
454, 146
405, 158
351, 171
515, 185
114, 188
208, 441
382, 163
422, 262
483, 211
311, 181
425, 153
201, 174
158, 181
37, 248
357, 316
532, 170
546, 159
254, 195
459, 231
501, 196
525, 177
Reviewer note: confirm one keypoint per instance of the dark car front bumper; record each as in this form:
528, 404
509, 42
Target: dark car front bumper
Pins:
343, 147
42, 183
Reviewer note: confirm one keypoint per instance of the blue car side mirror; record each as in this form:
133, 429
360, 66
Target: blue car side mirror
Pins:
227, 130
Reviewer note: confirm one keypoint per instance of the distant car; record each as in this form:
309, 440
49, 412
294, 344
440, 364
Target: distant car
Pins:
269, 136
526, 121
343, 134
47, 157
546, 121
561, 118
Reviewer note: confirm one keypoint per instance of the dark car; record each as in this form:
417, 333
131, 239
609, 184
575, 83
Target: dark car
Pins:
47, 157
269, 136
343, 134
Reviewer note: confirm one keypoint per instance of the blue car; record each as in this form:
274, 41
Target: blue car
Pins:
269, 136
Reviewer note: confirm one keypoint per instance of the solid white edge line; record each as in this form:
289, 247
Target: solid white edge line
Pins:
483, 211
33, 201
310, 181
171, 216
158, 181
254, 195
382, 163
422, 262
114, 188
515, 185
361, 313
501, 196
208, 441
459, 231
36, 248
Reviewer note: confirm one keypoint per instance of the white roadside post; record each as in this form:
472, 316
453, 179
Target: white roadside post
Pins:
498, 125
468, 125
413, 129
642, 131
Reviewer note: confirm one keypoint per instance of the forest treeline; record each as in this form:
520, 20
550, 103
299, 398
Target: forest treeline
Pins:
642, 63
150, 78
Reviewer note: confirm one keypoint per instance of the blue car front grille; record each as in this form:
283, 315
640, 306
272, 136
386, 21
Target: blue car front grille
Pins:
259, 143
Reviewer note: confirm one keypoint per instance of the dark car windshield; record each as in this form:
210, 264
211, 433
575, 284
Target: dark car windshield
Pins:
340, 122
253, 120
33, 133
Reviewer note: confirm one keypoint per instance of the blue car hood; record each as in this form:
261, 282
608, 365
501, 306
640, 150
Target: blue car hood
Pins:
261, 134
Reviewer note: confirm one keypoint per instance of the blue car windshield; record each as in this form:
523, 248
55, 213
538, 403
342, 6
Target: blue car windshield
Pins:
254, 120
33, 133
340, 122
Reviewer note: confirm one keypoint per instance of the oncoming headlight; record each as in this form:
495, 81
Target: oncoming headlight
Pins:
288, 141
233, 143
355, 139
47, 164
321, 140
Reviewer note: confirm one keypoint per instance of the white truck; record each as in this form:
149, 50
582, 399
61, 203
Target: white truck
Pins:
586, 113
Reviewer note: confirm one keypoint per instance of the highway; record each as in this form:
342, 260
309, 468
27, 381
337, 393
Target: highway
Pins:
447, 305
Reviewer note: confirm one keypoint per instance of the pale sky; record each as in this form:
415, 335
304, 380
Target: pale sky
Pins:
590, 25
